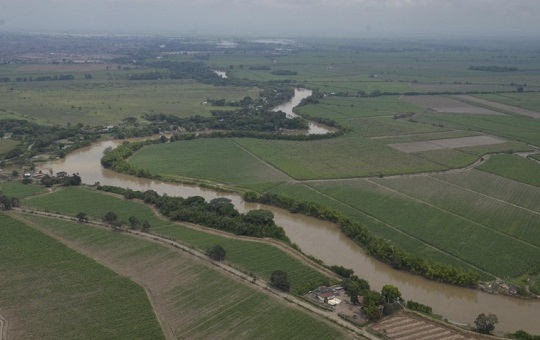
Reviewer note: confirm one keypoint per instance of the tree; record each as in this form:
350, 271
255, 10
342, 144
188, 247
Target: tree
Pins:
145, 226
216, 253
111, 218
82, 217
280, 280
134, 222
485, 324
260, 217
390, 293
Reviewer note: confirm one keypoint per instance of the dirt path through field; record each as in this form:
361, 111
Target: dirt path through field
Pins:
149, 278
497, 106
3, 328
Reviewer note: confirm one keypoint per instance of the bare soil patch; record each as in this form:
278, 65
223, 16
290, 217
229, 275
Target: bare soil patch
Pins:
500, 106
64, 67
446, 105
450, 143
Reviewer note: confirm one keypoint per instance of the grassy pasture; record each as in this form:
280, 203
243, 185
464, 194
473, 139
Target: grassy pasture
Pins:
109, 101
514, 167
255, 257
195, 300
446, 231
220, 160
17, 189
49, 291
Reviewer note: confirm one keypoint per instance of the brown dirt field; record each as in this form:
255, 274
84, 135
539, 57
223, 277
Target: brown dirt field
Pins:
446, 105
450, 143
53, 68
409, 326
500, 106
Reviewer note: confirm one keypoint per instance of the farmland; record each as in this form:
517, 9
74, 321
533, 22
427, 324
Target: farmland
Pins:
203, 159
514, 167
107, 102
66, 294
258, 258
193, 299
434, 157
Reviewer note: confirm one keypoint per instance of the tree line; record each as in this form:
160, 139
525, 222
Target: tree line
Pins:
218, 213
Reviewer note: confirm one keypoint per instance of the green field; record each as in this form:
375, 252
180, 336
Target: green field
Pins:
528, 101
220, 160
107, 102
49, 292
454, 234
522, 129
19, 190
258, 258
195, 300
514, 167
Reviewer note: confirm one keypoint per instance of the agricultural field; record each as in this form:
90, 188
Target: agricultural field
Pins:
347, 156
192, 299
514, 128
107, 102
220, 160
251, 256
454, 233
446, 105
526, 100
514, 167
498, 106
353, 107
19, 190
50, 291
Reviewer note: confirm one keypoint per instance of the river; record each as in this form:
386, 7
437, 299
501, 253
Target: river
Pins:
299, 94
324, 241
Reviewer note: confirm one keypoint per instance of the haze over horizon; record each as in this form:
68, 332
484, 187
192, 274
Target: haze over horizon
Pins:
284, 18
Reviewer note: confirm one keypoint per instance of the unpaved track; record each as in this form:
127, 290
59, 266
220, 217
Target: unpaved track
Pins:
3, 328
261, 285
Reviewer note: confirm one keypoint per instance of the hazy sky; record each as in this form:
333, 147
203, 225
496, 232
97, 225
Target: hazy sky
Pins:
351, 18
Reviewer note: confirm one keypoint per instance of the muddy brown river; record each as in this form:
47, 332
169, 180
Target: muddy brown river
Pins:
324, 241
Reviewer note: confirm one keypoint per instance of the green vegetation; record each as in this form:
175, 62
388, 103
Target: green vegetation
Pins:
57, 280
17, 189
514, 167
195, 300
254, 257
220, 160
7, 145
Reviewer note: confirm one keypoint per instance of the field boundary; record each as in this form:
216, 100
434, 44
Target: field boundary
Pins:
222, 267
454, 214
484, 195
3, 328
